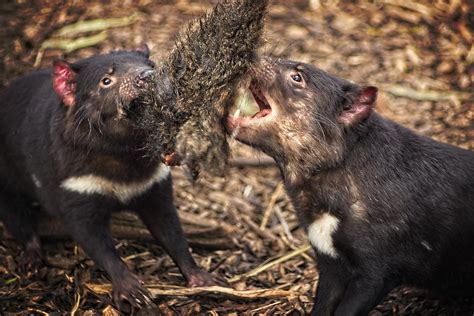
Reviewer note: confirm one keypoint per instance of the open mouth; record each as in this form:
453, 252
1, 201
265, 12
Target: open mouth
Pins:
264, 110
263, 105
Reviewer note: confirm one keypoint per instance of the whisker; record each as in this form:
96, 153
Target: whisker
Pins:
321, 129
90, 127
78, 118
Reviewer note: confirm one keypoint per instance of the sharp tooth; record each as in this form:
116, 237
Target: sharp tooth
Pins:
237, 113
236, 130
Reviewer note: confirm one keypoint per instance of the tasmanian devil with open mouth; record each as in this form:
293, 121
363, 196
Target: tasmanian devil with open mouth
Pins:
382, 206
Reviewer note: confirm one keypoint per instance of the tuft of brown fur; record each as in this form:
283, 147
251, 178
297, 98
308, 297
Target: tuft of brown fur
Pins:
196, 84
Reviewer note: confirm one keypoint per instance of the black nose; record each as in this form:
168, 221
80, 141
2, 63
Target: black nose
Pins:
144, 77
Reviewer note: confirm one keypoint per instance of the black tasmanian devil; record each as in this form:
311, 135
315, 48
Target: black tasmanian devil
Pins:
67, 141
382, 205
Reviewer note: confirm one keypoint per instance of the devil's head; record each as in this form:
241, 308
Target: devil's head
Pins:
100, 94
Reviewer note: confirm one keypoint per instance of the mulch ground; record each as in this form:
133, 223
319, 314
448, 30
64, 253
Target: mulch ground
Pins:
420, 54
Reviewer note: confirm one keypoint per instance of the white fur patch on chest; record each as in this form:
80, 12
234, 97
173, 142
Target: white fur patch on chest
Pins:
320, 234
124, 192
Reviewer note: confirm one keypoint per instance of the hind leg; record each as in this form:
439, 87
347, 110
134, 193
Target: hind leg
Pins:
20, 221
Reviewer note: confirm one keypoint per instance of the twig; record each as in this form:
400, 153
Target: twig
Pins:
425, 11
65, 34
137, 255
262, 233
284, 224
426, 95
193, 219
294, 247
110, 311
95, 25
69, 45
203, 291
271, 204
243, 205
77, 302
270, 264
261, 308
245, 294
37, 311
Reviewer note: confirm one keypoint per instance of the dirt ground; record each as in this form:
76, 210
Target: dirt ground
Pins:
421, 56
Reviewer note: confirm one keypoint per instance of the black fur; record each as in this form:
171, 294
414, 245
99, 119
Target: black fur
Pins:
404, 202
48, 137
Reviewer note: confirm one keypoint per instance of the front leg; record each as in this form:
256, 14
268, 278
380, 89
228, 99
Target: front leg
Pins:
88, 224
157, 211
362, 294
334, 276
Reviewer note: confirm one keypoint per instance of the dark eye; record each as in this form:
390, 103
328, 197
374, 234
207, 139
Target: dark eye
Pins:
106, 81
296, 77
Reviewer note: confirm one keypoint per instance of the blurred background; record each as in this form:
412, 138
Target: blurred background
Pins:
419, 53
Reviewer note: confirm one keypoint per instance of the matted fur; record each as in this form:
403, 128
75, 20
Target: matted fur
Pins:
195, 84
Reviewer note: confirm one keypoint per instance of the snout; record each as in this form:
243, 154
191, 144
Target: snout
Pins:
144, 77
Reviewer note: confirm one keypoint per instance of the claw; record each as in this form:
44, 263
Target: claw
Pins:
203, 278
130, 290
30, 261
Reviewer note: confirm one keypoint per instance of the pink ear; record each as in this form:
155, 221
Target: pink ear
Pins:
361, 108
64, 82
144, 50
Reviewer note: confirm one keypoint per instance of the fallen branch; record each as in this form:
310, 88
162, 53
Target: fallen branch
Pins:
69, 45
213, 236
63, 38
426, 95
270, 264
224, 291
220, 291
95, 25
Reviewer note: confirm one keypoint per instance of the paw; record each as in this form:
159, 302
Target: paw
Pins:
204, 278
130, 293
30, 261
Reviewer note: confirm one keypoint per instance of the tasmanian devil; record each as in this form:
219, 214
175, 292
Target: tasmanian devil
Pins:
382, 206
68, 142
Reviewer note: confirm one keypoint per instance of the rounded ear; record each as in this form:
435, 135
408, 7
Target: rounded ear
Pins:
361, 108
64, 82
144, 49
